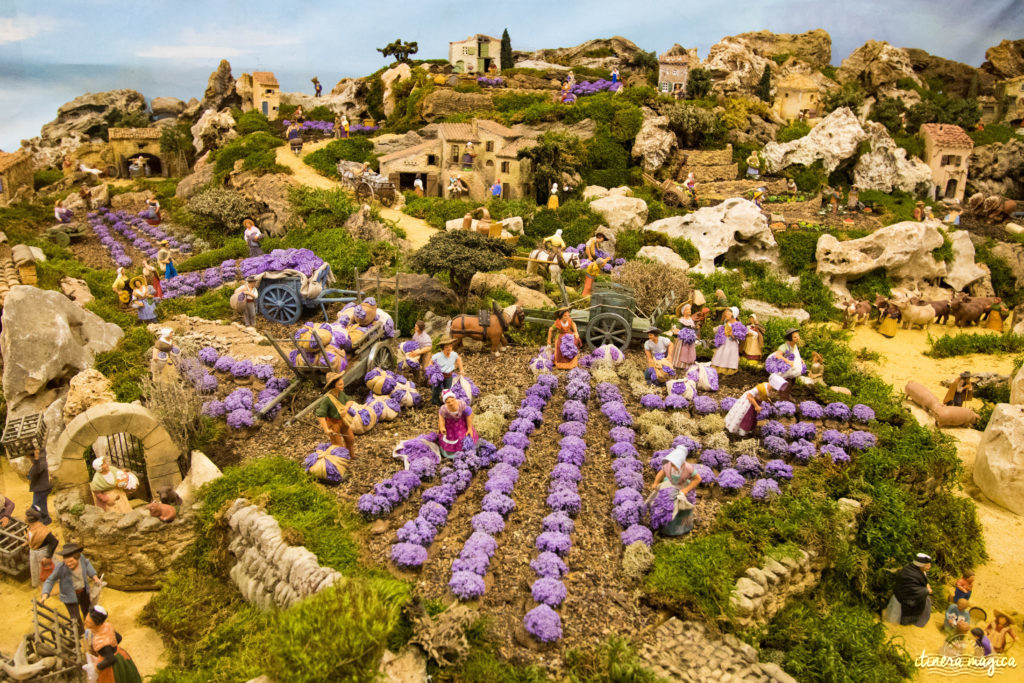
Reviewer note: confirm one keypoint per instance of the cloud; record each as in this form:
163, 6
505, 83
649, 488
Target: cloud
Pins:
182, 52
21, 27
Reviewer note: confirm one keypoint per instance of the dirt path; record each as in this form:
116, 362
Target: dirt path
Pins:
141, 642
997, 583
417, 231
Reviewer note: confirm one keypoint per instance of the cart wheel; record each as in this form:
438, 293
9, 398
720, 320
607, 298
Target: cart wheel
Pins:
609, 328
60, 238
364, 192
672, 199
280, 304
381, 357
388, 197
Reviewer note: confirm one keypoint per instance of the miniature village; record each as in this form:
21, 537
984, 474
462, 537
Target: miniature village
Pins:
578, 364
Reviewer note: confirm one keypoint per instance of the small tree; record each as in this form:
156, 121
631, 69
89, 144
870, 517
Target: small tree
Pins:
557, 158
399, 49
764, 86
698, 83
176, 143
694, 125
889, 112
461, 254
507, 61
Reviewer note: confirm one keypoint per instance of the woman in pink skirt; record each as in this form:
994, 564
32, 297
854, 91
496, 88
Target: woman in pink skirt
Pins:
684, 354
454, 423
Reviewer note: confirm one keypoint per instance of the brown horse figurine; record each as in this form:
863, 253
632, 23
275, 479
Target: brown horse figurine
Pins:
494, 330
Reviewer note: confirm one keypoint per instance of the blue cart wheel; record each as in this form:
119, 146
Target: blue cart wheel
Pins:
280, 304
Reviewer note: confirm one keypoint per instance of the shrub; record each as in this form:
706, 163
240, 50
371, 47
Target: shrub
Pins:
325, 160
437, 211
808, 178
992, 133
219, 210
698, 575
461, 255
875, 282
252, 121
1003, 280
793, 131
606, 161
963, 344
696, 126
256, 151
45, 177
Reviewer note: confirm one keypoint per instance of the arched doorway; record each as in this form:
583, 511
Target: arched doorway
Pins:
138, 441
950, 188
153, 164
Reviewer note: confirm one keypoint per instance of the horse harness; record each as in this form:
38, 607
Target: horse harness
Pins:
484, 320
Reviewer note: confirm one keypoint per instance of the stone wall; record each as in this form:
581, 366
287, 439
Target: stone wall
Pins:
763, 591
685, 651
132, 551
268, 571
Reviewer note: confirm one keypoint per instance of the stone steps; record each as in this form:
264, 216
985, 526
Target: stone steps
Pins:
716, 172
707, 157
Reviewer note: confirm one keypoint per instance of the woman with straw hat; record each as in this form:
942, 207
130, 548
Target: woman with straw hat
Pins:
447, 362
332, 413
142, 300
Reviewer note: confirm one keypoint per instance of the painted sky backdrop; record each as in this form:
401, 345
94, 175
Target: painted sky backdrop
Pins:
53, 50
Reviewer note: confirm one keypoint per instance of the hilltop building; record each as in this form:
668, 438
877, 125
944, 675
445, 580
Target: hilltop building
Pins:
15, 173
674, 71
797, 96
946, 151
477, 54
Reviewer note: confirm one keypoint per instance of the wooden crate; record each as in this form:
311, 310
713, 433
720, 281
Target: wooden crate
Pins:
23, 435
13, 551
27, 274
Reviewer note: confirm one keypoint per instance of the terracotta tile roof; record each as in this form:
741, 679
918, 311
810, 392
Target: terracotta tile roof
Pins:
8, 160
674, 59
475, 36
947, 134
415, 149
456, 131
799, 81
133, 134
513, 148
264, 78
495, 128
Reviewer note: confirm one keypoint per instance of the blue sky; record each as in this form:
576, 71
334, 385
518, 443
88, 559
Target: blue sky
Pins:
53, 50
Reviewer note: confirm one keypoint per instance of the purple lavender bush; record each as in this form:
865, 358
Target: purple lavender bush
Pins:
662, 507
811, 410
572, 428
622, 434
624, 449
776, 446
652, 402
801, 450
803, 430
466, 585
863, 414
629, 512
773, 428
489, 522
731, 480
837, 454
704, 405
558, 522
861, 441
837, 411
834, 437
549, 565
785, 408
409, 555
544, 624
548, 591
778, 469
763, 489
554, 542
706, 474
748, 465
715, 458
637, 533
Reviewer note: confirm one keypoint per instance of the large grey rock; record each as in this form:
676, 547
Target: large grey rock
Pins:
735, 66
813, 47
100, 195
166, 106
1017, 388
735, 229
877, 66
220, 90
999, 465
655, 142
998, 168
764, 310
201, 470
886, 167
270, 192
904, 250
963, 271
46, 340
664, 256
213, 129
621, 212
834, 139
202, 173
390, 78
392, 142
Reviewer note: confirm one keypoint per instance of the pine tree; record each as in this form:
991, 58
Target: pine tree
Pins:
764, 86
506, 51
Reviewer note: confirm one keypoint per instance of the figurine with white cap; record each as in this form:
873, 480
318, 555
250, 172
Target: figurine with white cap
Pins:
741, 419
678, 474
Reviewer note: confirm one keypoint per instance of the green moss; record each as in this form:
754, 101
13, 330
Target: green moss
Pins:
1003, 280
256, 151
127, 363
45, 177
874, 283
948, 346
808, 178
211, 305
944, 252
252, 121
325, 160
793, 131
437, 211
993, 133
697, 575
234, 248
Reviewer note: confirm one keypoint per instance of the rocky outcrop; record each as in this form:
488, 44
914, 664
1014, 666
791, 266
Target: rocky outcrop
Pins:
733, 230
202, 173
1013, 254
393, 142
213, 129
764, 310
886, 167
956, 77
1017, 388
904, 250
167, 106
99, 194
1005, 60
76, 289
623, 48
362, 225
134, 550
813, 47
270, 192
999, 463
87, 389
444, 102
734, 65
998, 169
834, 139
963, 271
392, 76
46, 340
201, 471
654, 143
268, 571
132, 202
621, 212
663, 256
877, 66
526, 297
221, 92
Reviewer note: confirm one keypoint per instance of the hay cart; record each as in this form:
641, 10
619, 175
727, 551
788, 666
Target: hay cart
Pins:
610, 316
369, 186
281, 299
672, 193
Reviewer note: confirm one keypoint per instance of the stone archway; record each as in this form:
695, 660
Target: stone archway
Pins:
106, 419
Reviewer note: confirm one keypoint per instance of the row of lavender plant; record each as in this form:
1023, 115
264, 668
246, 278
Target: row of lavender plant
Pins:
421, 455
628, 506
555, 541
468, 571
238, 408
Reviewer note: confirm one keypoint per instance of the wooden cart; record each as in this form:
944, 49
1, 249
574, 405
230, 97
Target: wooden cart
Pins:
281, 300
672, 192
369, 186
